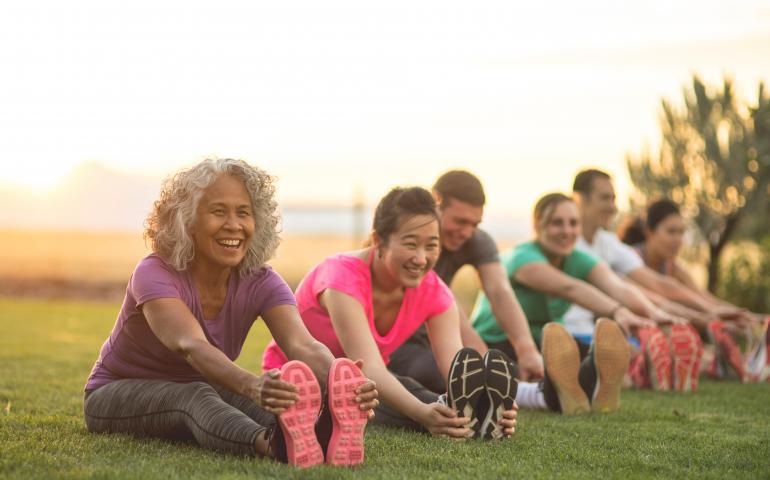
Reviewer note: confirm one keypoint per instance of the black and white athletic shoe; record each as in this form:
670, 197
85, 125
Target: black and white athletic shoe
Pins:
500, 379
465, 386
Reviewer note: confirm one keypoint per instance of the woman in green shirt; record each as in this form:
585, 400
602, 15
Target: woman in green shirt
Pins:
548, 276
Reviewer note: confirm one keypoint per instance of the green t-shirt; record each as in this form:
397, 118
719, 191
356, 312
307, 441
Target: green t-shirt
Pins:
538, 307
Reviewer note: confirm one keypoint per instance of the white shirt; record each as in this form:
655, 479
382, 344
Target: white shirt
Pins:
622, 258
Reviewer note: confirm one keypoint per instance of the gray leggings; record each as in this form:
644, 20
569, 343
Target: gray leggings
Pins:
208, 414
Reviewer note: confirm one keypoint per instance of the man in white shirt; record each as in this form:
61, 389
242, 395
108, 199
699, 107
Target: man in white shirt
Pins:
595, 197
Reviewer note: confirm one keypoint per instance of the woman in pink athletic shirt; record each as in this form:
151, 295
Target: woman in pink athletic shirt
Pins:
167, 368
366, 303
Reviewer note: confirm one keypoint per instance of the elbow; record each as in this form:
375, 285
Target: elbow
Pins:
188, 349
568, 291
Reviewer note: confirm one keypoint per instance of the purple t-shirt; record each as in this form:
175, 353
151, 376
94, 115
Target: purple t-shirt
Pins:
133, 351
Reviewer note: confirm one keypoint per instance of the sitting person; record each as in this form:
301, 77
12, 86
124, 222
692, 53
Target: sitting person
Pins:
460, 198
167, 368
657, 240
548, 275
675, 345
366, 303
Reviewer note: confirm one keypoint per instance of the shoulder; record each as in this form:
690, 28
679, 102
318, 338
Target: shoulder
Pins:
434, 293
527, 252
344, 272
583, 256
154, 266
481, 238
262, 277
341, 264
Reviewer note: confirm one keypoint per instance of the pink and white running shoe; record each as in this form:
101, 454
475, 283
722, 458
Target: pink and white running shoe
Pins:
728, 358
346, 446
653, 368
298, 421
687, 350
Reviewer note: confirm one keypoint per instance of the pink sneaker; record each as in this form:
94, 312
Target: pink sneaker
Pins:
687, 350
656, 358
728, 357
346, 446
298, 421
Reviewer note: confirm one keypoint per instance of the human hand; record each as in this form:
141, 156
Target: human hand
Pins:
530, 365
629, 321
442, 420
273, 394
509, 420
366, 393
662, 317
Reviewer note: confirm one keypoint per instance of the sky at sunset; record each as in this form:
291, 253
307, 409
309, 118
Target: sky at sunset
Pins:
339, 99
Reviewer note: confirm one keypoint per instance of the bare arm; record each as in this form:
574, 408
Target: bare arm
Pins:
669, 288
176, 327
628, 294
468, 334
445, 342
286, 327
551, 281
511, 318
352, 328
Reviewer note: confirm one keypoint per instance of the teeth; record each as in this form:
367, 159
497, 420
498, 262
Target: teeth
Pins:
230, 243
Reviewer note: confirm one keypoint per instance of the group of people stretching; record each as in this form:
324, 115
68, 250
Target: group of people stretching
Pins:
376, 336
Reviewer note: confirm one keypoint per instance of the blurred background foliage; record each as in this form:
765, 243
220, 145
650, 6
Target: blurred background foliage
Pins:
714, 161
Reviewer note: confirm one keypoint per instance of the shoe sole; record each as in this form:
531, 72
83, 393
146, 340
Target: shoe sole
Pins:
465, 386
686, 356
727, 352
346, 446
612, 355
298, 421
657, 354
501, 386
562, 363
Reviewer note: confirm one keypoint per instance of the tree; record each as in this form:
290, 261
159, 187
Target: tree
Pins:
714, 160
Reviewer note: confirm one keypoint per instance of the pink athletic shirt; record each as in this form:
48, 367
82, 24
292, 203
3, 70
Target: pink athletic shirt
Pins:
133, 351
351, 275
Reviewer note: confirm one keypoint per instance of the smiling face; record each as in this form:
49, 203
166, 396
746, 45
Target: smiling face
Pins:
459, 221
666, 239
411, 251
599, 204
224, 224
559, 228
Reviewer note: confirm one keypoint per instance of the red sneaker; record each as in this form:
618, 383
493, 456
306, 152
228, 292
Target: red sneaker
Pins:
687, 349
657, 358
728, 358
637, 370
346, 446
298, 421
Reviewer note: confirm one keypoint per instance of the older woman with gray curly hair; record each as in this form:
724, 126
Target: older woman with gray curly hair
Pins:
167, 368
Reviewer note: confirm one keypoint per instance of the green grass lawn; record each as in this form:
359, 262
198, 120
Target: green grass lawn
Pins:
48, 348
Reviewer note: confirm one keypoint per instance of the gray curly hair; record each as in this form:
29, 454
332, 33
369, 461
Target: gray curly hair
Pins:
168, 225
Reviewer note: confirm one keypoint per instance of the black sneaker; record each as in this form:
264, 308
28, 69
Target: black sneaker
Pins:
562, 364
465, 386
602, 371
500, 379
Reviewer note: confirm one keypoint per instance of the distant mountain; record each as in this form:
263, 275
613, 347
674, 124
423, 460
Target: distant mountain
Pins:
90, 197
94, 197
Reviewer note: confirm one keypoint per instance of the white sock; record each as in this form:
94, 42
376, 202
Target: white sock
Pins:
530, 396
